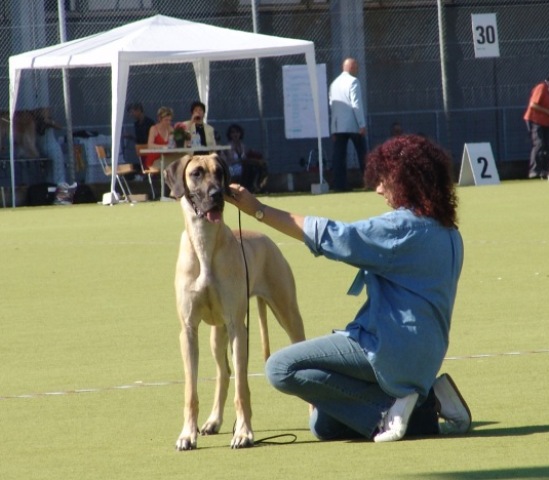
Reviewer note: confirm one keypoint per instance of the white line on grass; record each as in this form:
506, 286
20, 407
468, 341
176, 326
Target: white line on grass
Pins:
141, 384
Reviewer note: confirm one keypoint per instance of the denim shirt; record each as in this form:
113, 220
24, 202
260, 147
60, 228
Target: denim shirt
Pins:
410, 267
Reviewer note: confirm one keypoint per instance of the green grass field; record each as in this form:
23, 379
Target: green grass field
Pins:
91, 383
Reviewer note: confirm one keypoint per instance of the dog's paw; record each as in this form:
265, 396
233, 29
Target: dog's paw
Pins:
211, 427
186, 442
244, 439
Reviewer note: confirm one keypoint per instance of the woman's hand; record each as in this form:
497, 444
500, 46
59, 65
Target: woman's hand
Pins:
243, 199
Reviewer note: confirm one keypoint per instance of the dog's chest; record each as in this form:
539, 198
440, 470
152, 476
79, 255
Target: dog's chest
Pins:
210, 289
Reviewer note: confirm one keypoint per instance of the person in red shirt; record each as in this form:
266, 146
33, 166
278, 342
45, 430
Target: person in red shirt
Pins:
159, 135
537, 119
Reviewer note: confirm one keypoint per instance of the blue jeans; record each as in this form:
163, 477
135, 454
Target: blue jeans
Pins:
339, 157
332, 373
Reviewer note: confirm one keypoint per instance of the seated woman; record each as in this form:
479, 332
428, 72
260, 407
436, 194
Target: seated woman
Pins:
159, 134
247, 167
201, 134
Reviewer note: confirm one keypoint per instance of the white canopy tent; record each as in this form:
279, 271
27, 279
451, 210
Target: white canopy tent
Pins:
157, 40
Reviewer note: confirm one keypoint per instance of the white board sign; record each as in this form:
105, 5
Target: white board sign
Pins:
299, 115
485, 35
478, 166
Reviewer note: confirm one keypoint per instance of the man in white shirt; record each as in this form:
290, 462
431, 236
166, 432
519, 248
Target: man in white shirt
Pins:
347, 121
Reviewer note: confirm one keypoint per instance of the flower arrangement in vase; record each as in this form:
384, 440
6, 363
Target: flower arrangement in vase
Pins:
180, 134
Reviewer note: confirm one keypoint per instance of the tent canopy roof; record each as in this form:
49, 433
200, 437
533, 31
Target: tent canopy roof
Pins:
159, 40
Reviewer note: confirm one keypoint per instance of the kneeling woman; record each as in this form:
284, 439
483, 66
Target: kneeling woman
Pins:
367, 379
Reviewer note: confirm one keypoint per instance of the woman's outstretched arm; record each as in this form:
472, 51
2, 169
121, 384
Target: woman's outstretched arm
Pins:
285, 222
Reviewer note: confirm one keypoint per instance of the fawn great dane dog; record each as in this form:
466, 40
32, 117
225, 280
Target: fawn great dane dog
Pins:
217, 270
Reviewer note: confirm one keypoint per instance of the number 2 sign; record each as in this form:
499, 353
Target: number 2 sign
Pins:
478, 166
485, 35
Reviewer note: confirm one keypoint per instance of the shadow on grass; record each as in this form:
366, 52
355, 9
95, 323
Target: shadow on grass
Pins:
479, 432
506, 431
499, 474
266, 438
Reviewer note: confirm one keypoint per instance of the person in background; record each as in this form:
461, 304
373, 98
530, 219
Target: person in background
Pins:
367, 380
245, 166
347, 122
159, 134
49, 147
141, 125
202, 134
537, 121
396, 129
47, 144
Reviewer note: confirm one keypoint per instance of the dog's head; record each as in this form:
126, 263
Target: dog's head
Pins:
203, 180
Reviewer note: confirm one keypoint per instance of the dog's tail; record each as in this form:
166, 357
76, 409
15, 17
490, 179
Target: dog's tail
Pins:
263, 328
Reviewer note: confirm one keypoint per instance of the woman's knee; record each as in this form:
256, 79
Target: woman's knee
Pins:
276, 371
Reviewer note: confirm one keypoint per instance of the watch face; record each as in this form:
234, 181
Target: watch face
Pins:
259, 214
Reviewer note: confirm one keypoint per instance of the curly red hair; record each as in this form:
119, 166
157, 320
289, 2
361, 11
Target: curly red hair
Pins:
418, 175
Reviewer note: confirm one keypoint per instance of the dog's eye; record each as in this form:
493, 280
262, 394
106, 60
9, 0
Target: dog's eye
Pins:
197, 172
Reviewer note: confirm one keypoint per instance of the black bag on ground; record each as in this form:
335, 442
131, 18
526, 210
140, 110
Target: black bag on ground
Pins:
41, 194
84, 194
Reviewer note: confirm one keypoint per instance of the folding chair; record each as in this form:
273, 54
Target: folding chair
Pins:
149, 172
121, 171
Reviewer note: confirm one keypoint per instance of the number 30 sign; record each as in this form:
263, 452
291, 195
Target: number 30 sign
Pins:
485, 35
478, 166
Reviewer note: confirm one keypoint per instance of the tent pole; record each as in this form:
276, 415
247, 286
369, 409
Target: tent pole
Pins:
259, 89
66, 94
14, 87
441, 14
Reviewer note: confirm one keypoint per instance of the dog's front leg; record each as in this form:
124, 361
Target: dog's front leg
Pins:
189, 352
219, 342
243, 434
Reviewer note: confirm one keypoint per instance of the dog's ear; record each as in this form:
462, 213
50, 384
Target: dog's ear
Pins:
226, 174
174, 174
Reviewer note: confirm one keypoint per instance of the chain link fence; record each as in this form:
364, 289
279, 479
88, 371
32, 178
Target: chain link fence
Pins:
443, 92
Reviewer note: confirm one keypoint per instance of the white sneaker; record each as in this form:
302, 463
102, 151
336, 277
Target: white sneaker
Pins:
453, 408
394, 423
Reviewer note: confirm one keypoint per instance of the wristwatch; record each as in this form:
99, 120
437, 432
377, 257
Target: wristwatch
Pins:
259, 214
